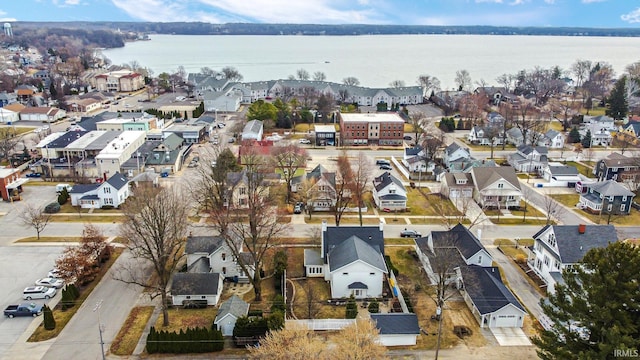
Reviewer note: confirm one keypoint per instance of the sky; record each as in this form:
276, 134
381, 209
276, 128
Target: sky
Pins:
541, 13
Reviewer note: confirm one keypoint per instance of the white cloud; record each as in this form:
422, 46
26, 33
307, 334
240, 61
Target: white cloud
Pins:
550, 1
632, 17
592, 1
72, 2
158, 10
489, 1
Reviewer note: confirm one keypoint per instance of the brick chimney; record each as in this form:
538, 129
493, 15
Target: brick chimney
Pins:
582, 228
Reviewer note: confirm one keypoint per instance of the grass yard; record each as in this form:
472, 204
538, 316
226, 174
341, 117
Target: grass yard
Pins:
408, 128
180, 318
295, 262
622, 220
127, 339
568, 200
531, 211
63, 317
87, 218
582, 169
50, 239
508, 248
555, 125
268, 292
318, 292
348, 219
518, 221
399, 241
429, 204
595, 111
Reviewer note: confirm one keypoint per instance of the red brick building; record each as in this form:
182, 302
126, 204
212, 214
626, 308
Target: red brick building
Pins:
371, 129
10, 180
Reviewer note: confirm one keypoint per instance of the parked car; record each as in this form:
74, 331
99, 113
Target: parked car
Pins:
386, 167
34, 175
50, 282
52, 208
297, 209
383, 162
25, 309
410, 233
54, 273
304, 141
38, 292
407, 137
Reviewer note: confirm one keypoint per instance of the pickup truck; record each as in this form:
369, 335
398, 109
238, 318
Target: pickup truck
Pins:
26, 309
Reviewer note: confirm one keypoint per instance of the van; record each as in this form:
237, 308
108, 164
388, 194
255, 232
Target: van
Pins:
38, 292
59, 187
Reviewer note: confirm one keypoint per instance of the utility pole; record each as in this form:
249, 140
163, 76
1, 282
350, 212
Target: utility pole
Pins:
100, 327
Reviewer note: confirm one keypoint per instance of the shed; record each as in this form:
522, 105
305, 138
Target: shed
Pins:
397, 329
229, 312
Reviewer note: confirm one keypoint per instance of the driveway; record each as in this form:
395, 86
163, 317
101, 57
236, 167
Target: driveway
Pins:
510, 336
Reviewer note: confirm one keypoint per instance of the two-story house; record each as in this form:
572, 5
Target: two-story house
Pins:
211, 254
320, 187
389, 193
607, 197
558, 248
243, 184
630, 132
514, 136
617, 167
454, 152
414, 159
552, 139
457, 186
528, 158
111, 193
351, 258
496, 187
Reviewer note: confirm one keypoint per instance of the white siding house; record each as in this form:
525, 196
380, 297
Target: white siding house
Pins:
389, 193
112, 192
228, 314
190, 287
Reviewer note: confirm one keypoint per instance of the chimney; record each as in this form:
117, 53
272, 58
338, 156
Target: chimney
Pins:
479, 232
381, 225
582, 228
324, 225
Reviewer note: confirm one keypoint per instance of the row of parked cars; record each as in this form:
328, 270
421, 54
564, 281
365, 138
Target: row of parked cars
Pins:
45, 288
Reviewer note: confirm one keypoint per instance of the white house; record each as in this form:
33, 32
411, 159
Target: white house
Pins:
253, 130
228, 314
389, 193
414, 159
455, 152
496, 187
351, 258
560, 247
481, 135
457, 186
193, 288
552, 139
8, 117
213, 254
397, 329
528, 158
112, 192
321, 191
559, 175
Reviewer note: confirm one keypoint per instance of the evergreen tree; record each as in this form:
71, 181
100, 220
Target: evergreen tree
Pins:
351, 309
218, 340
49, 321
460, 125
574, 136
596, 311
586, 140
374, 307
278, 303
618, 102
152, 344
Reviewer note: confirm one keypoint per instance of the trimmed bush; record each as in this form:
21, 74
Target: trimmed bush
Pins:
374, 307
191, 340
278, 303
49, 321
351, 311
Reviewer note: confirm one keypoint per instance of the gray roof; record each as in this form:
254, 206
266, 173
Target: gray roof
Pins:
486, 290
81, 188
252, 127
201, 265
103, 140
611, 188
195, 284
618, 160
334, 235
357, 285
312, 257
118, 181
485, 176
396, 323
393, 197
233, 306
462, 238
551, 134
563, 170
354, 249
66, 139
412, 151
528, 149
452, 148
203, 244
573, 246
515, 133
385, 180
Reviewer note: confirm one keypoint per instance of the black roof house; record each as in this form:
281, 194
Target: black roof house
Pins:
486, 290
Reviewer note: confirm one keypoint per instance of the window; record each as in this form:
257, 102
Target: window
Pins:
345, 274
242, 191
624, 198
224, 270
500, 186
203, 297
609, 207
188, 297
357, 292
479, 259
224, 256
623, 207
372, 273
546, 260
107, 190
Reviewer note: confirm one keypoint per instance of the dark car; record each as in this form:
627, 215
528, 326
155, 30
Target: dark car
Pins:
34, 175
386, 167
407, 137
52, 208
410, 233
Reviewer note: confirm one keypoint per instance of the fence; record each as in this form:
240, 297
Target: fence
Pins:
323, 324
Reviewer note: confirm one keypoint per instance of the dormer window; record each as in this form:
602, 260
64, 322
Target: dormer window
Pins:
500, 186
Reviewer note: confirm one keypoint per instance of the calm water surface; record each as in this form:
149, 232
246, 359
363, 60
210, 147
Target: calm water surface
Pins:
378, 59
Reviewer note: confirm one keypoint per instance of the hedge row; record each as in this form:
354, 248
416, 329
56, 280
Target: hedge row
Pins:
198, 340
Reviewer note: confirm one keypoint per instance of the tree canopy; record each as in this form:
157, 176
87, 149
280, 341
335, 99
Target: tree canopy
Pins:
597, 310
262, 110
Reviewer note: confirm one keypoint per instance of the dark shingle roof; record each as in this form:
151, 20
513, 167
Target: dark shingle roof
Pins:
414, 151
195, 284
396, 323
201, 265
66, 139
354, 249
334, 235
234, 306
486, 290
203, 244
357, 285
573, 246
611, 188
385, 180
460, 237
118, 181
563, 170
81, 189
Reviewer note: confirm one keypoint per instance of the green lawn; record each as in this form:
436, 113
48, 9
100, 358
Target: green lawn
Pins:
596, 111
584, 170
568, 200
429, 204
531, 211
518, 221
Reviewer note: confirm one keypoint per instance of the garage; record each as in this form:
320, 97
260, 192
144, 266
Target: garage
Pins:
506, 321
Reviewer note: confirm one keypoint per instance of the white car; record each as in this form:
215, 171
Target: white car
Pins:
50, 282
304, 141
53, 273
38, 292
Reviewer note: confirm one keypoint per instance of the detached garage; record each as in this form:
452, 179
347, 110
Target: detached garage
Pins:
397, 329
490, 301
229, 313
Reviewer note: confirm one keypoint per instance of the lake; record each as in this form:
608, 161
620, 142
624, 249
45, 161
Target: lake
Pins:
375, 60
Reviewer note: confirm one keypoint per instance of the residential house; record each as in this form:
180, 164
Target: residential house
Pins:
414, 159
559, 175
559, 248
10, 182
514, 136
607, 197
371, 128
321, 188
253, 130
110, 193
601, 128
552, 139
465, 165
241, 185
188, 288
496, 187
212, 254
617, 167
457, 186
7, 98
325, 135
491, 302
352, 260
485, 135
228, 313
8, 117
163, 155
455, 152
119, 81
630, 132
396, 329
528, 158
389, 193
227, 100
497, 95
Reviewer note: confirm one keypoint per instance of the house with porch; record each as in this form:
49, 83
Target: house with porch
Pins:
110, 193
514, 136
529, 158
496, 187
559, 248
617, 167
389, 193
607, 197
243, 184
351, 259
320, 187
455, 152
212, 254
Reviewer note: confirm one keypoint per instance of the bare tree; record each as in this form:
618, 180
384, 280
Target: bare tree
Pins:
432, 140
428, 83
319, 76
507, 81
302, 74
343, 194
231, 73
397, 84
35, 217
362, 170
351, 81
8, 142
463, 80
208, 187
417, 121
155, 223
311, 301
552, 208
289, 159
580, 70
464, 214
